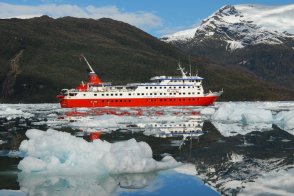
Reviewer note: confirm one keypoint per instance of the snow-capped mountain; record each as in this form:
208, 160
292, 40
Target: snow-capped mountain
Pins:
242, 25
258, 38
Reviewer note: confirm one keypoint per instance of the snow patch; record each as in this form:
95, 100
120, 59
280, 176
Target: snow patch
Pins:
233, 45
61, 153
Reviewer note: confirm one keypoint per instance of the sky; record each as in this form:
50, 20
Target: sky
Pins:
157, 17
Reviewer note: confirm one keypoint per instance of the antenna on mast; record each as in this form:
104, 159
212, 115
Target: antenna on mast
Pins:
190, 65
91, 69
181, 70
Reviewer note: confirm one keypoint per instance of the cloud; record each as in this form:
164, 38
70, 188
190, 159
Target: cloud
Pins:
141, 19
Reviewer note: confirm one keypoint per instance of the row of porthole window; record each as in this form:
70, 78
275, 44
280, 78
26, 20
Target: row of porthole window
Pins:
116, 94
170, 87
184, 80
186, 131
183, 99
189, 125
150, 100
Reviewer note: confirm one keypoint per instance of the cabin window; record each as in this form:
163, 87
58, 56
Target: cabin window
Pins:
170, 87
155, 93
84, 94
165, 87
189, 93
138, 93
146, 87
120, 94
175, 93
111, 94
180, 93
154, 87
150, 87
198, 93
150, 93
102, 94
129, 94
164, 93
116, 94
180, 87
184, 93
95, 94
142, 93
160, 87
107, 94
170, 93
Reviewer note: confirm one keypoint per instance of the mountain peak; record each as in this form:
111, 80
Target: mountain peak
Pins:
242, 25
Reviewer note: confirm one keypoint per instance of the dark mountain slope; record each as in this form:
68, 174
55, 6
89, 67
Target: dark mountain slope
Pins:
119, 52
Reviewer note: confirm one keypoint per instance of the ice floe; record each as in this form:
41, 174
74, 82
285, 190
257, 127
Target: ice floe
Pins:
278, 182
285, 120
52, 151
242, 112
11, 113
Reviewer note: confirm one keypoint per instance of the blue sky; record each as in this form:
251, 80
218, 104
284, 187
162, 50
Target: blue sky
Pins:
157, 17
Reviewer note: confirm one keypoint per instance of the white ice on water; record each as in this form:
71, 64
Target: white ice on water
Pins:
58, 152
11, 113
278, 182
285, 120
242, 112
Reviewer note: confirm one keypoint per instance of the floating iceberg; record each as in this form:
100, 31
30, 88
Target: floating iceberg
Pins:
61, 153
285, 120
242, 112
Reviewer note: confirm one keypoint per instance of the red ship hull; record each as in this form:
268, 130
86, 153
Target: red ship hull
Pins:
138, 102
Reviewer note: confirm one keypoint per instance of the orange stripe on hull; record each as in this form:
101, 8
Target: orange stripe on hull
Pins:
138, 102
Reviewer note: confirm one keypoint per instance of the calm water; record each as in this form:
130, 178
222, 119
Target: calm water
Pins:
236, 152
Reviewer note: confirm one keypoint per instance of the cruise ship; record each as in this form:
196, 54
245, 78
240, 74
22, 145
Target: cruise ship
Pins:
183, 90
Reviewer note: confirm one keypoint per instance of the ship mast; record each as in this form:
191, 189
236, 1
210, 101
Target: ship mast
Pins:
91, 69
182, 70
